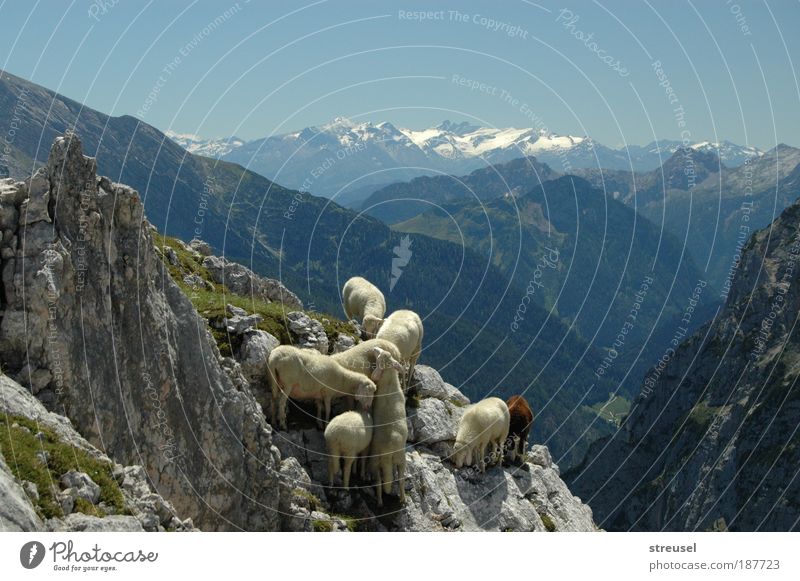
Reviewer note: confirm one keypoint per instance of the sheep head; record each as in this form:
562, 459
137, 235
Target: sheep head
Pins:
370, 325
462, 454
365, 392
384, 361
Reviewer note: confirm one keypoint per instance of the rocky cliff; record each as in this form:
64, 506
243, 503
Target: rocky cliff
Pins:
94, 326
97, 325
712, 442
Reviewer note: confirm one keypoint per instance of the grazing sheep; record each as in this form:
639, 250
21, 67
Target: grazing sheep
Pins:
519, 426
404, 329
364, 302
389, 433
484, 423
307, 374
347, 436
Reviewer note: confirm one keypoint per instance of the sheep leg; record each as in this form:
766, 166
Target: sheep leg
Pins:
320, 423
328, 409
282, 401
523, 444
348, 466
482, 457
512, 450
375, 471
276, 391
401, 475
363, 464
333, 467
378, 485
387, 473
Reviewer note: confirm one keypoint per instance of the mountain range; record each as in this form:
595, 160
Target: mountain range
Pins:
347, 160
713, 208
611, 263
313, 245
526, 276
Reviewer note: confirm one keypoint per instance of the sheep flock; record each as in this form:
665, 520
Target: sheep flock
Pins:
372, 379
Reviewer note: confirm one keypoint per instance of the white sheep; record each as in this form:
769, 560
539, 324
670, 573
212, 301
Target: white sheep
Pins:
484, 423
389, 433
404, 329
307, 374
364, 302
347, 436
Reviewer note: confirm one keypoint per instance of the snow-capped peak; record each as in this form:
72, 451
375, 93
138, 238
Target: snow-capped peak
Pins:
216, 147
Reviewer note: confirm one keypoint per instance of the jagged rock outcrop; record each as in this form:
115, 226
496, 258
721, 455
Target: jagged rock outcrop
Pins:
528, 497
94, 326
242, 281
307, 333
140, 507
712, 443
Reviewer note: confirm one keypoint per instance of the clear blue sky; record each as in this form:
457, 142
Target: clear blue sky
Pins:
263, 69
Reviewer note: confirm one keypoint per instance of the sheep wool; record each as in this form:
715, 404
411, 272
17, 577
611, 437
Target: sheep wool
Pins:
307, 374
519, 427
405, 330
483, 424
364, 302
389, 434
347, 436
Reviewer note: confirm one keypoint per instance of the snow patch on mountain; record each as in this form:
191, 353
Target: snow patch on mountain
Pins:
216, 147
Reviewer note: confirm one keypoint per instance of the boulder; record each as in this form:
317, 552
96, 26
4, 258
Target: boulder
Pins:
242, 281
238, 324
428, 383
80, 485
343, 343
254, 353
433, 420
201, 247
307, 333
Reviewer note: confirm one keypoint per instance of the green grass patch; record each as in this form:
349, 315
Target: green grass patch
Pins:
547, 522
350, 522
613, 410
212, 304
187, 262
314, 503
20, 447
322, 526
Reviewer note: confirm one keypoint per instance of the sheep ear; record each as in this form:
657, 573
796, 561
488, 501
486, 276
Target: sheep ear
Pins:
396, 364
375, 351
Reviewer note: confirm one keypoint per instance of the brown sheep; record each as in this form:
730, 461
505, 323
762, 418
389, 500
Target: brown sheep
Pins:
521, 421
